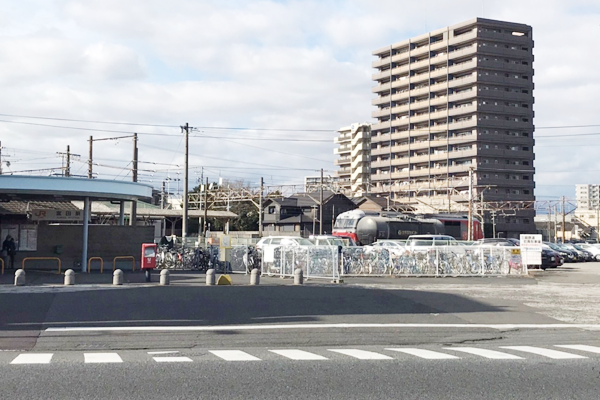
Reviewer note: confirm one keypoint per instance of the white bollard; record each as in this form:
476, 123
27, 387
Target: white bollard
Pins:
210, 277
20, 277
118, 277
255, 277
165, 277
69, 277
298, 277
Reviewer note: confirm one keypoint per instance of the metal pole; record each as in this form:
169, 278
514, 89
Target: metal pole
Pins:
121, 212
134, 176
205, 208
470, 216
564, 218
184, 221
549, 225
260, 209
90, 158
86, 218
68, 168
482, 216
321, 206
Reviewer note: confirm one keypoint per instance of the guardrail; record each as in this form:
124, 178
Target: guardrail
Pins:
89, 267
132, 258
42, 258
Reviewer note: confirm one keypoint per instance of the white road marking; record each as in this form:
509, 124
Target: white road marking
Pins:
172, 359
316, 326
234, 355
101, 358
33, 358
162, 352
486, 353
428, 354
298, 355
362, 354
555, 354
582, 347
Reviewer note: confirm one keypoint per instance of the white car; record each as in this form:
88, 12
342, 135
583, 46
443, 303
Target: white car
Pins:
424, 242
268, 244
595, 250
395, 247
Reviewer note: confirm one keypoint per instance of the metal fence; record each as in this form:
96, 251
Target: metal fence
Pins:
315, 261
435, 261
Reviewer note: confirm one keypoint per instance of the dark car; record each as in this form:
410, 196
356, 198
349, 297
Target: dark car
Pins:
566, 255
550, 259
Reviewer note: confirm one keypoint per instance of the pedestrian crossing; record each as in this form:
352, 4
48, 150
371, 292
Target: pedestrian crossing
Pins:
555, 352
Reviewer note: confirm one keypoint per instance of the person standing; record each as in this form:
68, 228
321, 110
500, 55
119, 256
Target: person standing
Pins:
10, 248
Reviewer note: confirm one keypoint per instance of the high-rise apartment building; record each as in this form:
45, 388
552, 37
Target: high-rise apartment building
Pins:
454, 100
354, 159
588, 197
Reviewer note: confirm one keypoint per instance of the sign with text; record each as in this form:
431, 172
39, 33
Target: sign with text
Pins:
56, 215
531, 246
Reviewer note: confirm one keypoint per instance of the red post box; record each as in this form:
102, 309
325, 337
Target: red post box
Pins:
148, 256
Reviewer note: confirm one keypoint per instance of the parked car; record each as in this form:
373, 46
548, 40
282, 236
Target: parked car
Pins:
566, 255
423, 242
550, 259
395, 247
330, 240
595, 250
491, 242
268, 244
582, 255
589, 254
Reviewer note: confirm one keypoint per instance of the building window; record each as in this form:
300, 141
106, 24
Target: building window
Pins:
271, 209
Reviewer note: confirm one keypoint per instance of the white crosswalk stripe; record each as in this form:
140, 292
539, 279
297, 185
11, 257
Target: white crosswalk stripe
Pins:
582, 347
33, 358
172, 359
422, 353
485, 353
362, 354
101, 358
293, 354
555, 354
234, 355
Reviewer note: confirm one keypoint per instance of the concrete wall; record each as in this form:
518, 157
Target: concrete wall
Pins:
106, 241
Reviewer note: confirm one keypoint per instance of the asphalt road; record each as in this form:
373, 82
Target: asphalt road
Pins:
94, 340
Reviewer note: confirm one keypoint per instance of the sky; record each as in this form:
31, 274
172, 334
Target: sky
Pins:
264, 84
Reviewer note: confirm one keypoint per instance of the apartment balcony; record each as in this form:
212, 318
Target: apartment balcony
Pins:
358, 172
401, 122
415, 119
381, 100
359, 161
419, 51
342, 161
505, 37
466, 124
467, 51
381, 112
453, 169
419, 159
502, 51
439, 45
380, 151
382, 87
469, 109
439, 156
401, 84
439, 58
456, 154
386, 74
381, 62
463, 66
466, 80
400, 57
503, 123
342, 139
403, 95
380, 125
438, 114
401, 69
420, 91
504, 66
471, 35
436, 73
425, 144
419, 64
438, 100
505, 110
469, 94
402, 162
341, 150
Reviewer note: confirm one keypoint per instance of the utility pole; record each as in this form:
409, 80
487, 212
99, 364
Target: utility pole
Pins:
482, 215
494, 223
90, 158
162, 196
134, 178
563, 222
260, 209
67, 159
549, 225
555, 222
205, 208
321, 206
470, 216
184, 221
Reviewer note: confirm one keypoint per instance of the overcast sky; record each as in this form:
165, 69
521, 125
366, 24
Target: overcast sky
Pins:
294, 70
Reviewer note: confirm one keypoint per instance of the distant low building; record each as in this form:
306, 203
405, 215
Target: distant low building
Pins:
299, 214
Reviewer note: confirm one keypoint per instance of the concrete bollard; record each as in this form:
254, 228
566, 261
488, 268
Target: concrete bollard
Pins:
210, 277
165, 277
118, 277
69, 277
255, 277
298, 277
20, 277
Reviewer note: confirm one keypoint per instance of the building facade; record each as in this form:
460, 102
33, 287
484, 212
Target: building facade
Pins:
354, 159
456, 101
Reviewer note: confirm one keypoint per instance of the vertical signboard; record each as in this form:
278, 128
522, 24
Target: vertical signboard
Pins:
531, 249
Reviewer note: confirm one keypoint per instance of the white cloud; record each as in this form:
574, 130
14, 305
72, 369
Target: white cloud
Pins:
266, 64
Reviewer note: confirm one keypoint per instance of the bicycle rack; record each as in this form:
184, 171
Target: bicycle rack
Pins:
89, 266
42, 258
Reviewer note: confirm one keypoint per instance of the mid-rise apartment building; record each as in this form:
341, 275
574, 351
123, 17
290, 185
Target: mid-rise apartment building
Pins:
354, 159
454, 100
588, 205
